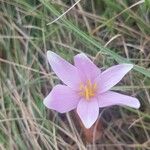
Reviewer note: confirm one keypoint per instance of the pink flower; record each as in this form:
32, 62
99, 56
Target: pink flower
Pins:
86, 87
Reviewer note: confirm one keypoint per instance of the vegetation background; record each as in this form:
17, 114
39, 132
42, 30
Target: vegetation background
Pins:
115, 31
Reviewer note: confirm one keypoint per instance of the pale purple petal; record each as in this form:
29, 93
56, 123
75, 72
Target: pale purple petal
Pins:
88, 111
112, 76
86, 67
62, 99
112, 98
64, 70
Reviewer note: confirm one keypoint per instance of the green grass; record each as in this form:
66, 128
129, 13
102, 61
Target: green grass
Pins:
109, 32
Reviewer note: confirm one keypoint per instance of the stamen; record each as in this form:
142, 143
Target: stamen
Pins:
87, 90
86, 93
94, 86
89, 83
81, 86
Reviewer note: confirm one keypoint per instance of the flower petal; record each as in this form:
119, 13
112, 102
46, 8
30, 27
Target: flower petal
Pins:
88, 111
86, 66
112, 98
64, 70
61, 99
112, 76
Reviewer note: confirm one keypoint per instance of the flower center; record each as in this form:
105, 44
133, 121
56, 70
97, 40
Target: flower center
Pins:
88, 90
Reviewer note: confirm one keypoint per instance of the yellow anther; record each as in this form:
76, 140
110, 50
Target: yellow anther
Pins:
87, 90
87, 93
81, 86
89, 83
94, 86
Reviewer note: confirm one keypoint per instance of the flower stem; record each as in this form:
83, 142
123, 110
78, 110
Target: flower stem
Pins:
92, 134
